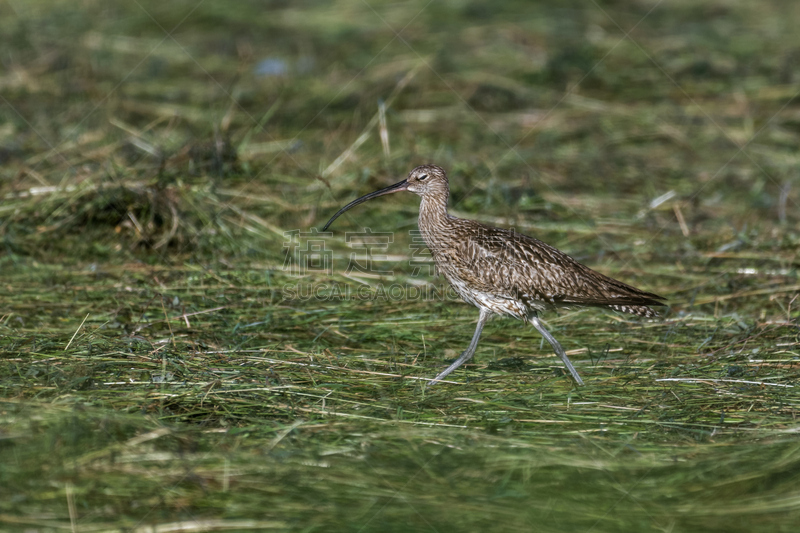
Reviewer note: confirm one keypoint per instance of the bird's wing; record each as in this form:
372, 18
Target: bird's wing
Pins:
517, 266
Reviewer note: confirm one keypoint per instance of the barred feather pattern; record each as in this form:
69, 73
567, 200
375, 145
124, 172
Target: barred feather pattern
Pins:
510, 273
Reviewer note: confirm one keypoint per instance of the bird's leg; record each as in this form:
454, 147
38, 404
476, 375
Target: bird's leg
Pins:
467, 354
556, 346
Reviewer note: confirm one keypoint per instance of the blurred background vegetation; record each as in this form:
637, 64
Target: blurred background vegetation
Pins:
155, 374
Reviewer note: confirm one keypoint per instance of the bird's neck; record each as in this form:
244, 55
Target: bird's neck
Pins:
433, 217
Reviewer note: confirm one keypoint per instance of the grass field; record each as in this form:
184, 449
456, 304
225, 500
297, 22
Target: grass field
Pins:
179, 350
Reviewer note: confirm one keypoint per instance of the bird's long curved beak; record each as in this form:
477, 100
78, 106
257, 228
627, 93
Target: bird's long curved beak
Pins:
397, 187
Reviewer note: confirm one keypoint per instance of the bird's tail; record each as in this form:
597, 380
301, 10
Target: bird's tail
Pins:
640, 310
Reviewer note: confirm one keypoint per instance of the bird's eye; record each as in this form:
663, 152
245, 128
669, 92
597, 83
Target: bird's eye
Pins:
422, 177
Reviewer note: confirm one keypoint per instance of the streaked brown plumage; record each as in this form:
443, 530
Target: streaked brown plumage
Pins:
503, 272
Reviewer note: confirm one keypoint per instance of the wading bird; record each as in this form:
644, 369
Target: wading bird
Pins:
503, 272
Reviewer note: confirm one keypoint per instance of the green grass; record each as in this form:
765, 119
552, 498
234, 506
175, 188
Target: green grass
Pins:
162, 368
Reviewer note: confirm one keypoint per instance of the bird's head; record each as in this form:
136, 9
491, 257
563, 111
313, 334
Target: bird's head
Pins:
425, 180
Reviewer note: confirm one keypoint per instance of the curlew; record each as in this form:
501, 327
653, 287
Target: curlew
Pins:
503, 272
